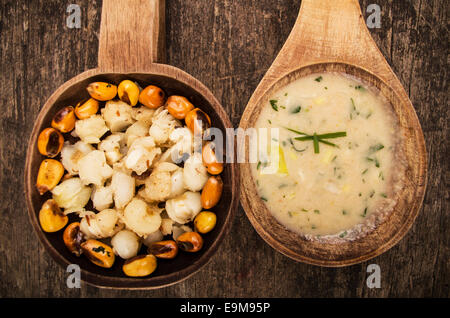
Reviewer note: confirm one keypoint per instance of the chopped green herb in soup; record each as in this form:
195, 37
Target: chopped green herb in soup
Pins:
335, 145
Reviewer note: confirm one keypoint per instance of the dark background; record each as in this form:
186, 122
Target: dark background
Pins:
228, 45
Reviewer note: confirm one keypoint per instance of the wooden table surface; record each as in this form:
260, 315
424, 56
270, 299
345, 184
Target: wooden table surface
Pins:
228, 45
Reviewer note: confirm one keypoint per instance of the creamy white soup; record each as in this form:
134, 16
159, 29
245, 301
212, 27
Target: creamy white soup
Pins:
335, 152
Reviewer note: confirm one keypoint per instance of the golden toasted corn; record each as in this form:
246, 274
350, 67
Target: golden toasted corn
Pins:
50, 142
179, 106
197, 121
128, 92
73, 238
164, 249
212, 191
152, 96
190, 242
102, 91
140, 266
64, 120
98, 253
205, 221
210, 159
86, 109
51, 218
49, 174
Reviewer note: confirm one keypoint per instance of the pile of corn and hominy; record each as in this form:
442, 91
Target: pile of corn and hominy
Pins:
135, 161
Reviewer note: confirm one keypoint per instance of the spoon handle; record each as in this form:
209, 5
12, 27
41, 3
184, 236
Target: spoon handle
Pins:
329, 30
131, 35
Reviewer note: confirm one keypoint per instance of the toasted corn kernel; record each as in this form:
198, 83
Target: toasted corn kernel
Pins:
50, 142
128, 92
164, 249
98, 253
179, 106
212, 191
64, 120
51, 217
102, 91
140, 266
73, 238
210, 159
152, 97
86, 109
190, 242
205, 221
49, 174
197, 121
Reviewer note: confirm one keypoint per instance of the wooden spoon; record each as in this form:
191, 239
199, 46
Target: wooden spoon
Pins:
131, 41
331, 36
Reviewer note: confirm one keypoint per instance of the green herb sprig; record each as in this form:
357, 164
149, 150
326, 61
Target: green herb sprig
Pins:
295, 148
318, 138
273, 103
296, 110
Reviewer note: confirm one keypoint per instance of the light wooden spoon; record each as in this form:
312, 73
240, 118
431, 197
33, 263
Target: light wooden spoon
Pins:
331, 36
130, 44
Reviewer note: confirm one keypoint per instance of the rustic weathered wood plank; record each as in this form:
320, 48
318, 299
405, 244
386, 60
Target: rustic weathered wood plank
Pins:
228, 45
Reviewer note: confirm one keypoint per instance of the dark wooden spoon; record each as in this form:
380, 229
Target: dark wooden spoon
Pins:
131, 41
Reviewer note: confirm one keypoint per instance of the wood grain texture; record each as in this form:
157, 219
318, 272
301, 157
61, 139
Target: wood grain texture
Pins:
228, 45
128, 43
